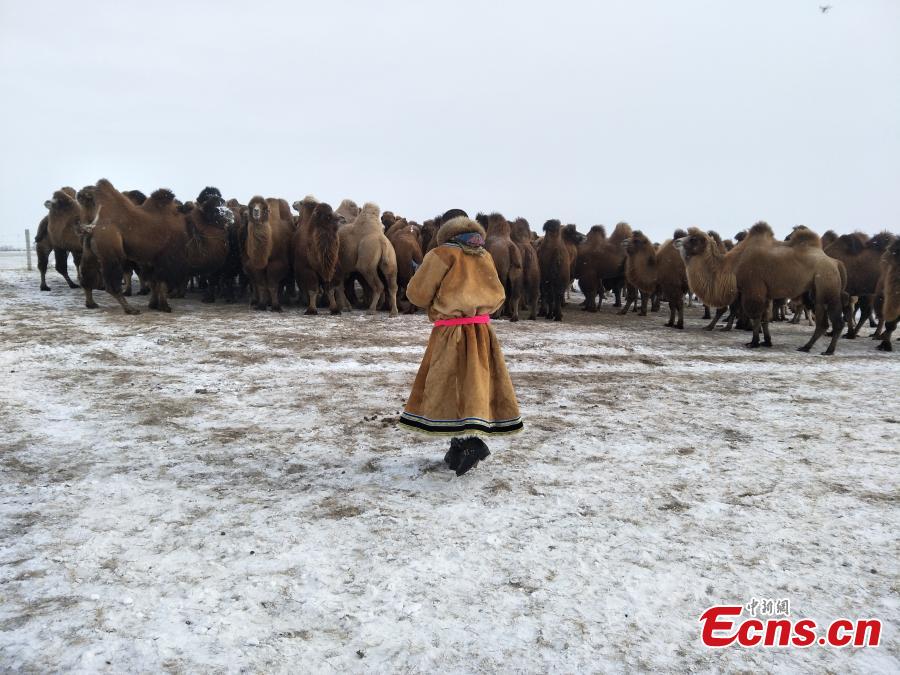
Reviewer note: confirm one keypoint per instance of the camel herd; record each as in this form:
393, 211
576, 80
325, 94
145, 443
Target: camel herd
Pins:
360, 257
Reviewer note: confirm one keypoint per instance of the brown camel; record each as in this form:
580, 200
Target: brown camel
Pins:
890, 288
156, 236
507, 261
862, 257
406, 238
365, 249
587, 267
710, 273
209, 246
640, 271
63, 234
606, 264
316, 249
429, 233
672, 280
347, 211
531, 272
554, 261
268, 227
764, 270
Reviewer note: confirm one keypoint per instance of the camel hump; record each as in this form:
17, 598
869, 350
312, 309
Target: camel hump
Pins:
597, 231
162, 196
552, 226
803, 236
621, 232
679, 234
761, 229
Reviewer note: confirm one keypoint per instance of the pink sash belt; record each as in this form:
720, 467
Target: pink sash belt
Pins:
464, 320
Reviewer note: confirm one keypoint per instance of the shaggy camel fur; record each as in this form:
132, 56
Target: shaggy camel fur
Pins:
672, 280
531, 272
347, 211
209, 241
155, 235
365, 249
710, 273
587, 267
63, 234
640, 271
554, 261
766, 269
429, 233
268, 228
890, 287
507, 260
862, 257
406, 238
604, 265
316, 248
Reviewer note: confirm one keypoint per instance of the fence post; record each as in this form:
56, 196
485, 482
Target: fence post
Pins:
28, 247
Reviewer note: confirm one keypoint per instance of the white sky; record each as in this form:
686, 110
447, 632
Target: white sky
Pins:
660, 112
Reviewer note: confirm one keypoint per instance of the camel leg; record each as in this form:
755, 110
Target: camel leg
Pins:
617, 292
333, 306
311, 303
679, 308
43, 261
112, 279
767, 338
61, 263
89, 297
644, 298
865, 311
720, 311
754, 342
376, 287
821, 327
671, 322
837, 320
885, 344
275, 296
879, 329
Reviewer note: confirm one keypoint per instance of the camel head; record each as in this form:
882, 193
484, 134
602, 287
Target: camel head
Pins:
571, 234
892, 254
387, 219
347, 211
740, 236
258, 210
881, 241
679, 233
208, 192
637, 243
308, 202
323, 217
552, 227
215, 211
696, 243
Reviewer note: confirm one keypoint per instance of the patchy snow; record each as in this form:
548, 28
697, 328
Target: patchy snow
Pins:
222, 490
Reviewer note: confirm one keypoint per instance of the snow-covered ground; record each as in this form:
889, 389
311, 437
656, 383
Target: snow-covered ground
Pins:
226, 490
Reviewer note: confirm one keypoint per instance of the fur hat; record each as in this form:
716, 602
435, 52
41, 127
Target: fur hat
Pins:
456, 226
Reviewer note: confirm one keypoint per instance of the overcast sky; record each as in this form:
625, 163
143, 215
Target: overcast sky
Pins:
663, 113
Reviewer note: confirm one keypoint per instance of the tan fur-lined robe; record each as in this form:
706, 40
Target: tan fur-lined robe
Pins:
462, 387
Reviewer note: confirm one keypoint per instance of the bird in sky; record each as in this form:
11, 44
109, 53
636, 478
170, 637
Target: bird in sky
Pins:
824, 8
